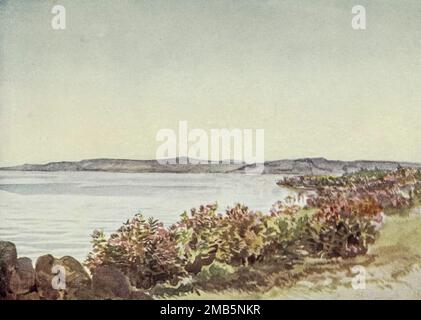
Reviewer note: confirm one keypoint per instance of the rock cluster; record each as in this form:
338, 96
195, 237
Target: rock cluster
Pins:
59, 279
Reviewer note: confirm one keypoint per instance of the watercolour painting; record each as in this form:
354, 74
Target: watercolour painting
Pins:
209, 149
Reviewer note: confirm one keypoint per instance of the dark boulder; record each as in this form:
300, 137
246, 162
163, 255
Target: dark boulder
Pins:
8, 260
60, 278
109, 283
23, 277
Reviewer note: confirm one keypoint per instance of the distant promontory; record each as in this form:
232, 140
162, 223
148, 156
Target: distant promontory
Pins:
304, 166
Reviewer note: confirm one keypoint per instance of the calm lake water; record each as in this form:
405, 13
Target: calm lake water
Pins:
43, 212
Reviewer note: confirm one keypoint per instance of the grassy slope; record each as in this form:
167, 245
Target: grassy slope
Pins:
393, 266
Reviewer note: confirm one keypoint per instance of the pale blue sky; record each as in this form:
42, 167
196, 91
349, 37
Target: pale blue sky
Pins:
122, 70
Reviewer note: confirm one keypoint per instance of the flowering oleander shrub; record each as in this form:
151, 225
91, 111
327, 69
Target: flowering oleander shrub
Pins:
339, 236
368, 180
243, 237
236, 238
351, 207
148, 253
392, 190
142, 249
341, 218
198, 237
284, 234
344, 227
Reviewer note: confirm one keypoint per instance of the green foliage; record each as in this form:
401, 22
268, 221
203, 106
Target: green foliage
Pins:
283, 235
198, 237
341, 219
243, 238
143, 249
368, 174
216, 270
339, 237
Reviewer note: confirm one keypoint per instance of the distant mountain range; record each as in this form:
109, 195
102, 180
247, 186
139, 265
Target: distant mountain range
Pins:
305, 166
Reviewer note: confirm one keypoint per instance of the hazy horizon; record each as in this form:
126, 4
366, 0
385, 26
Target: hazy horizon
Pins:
123, 70
232, 160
